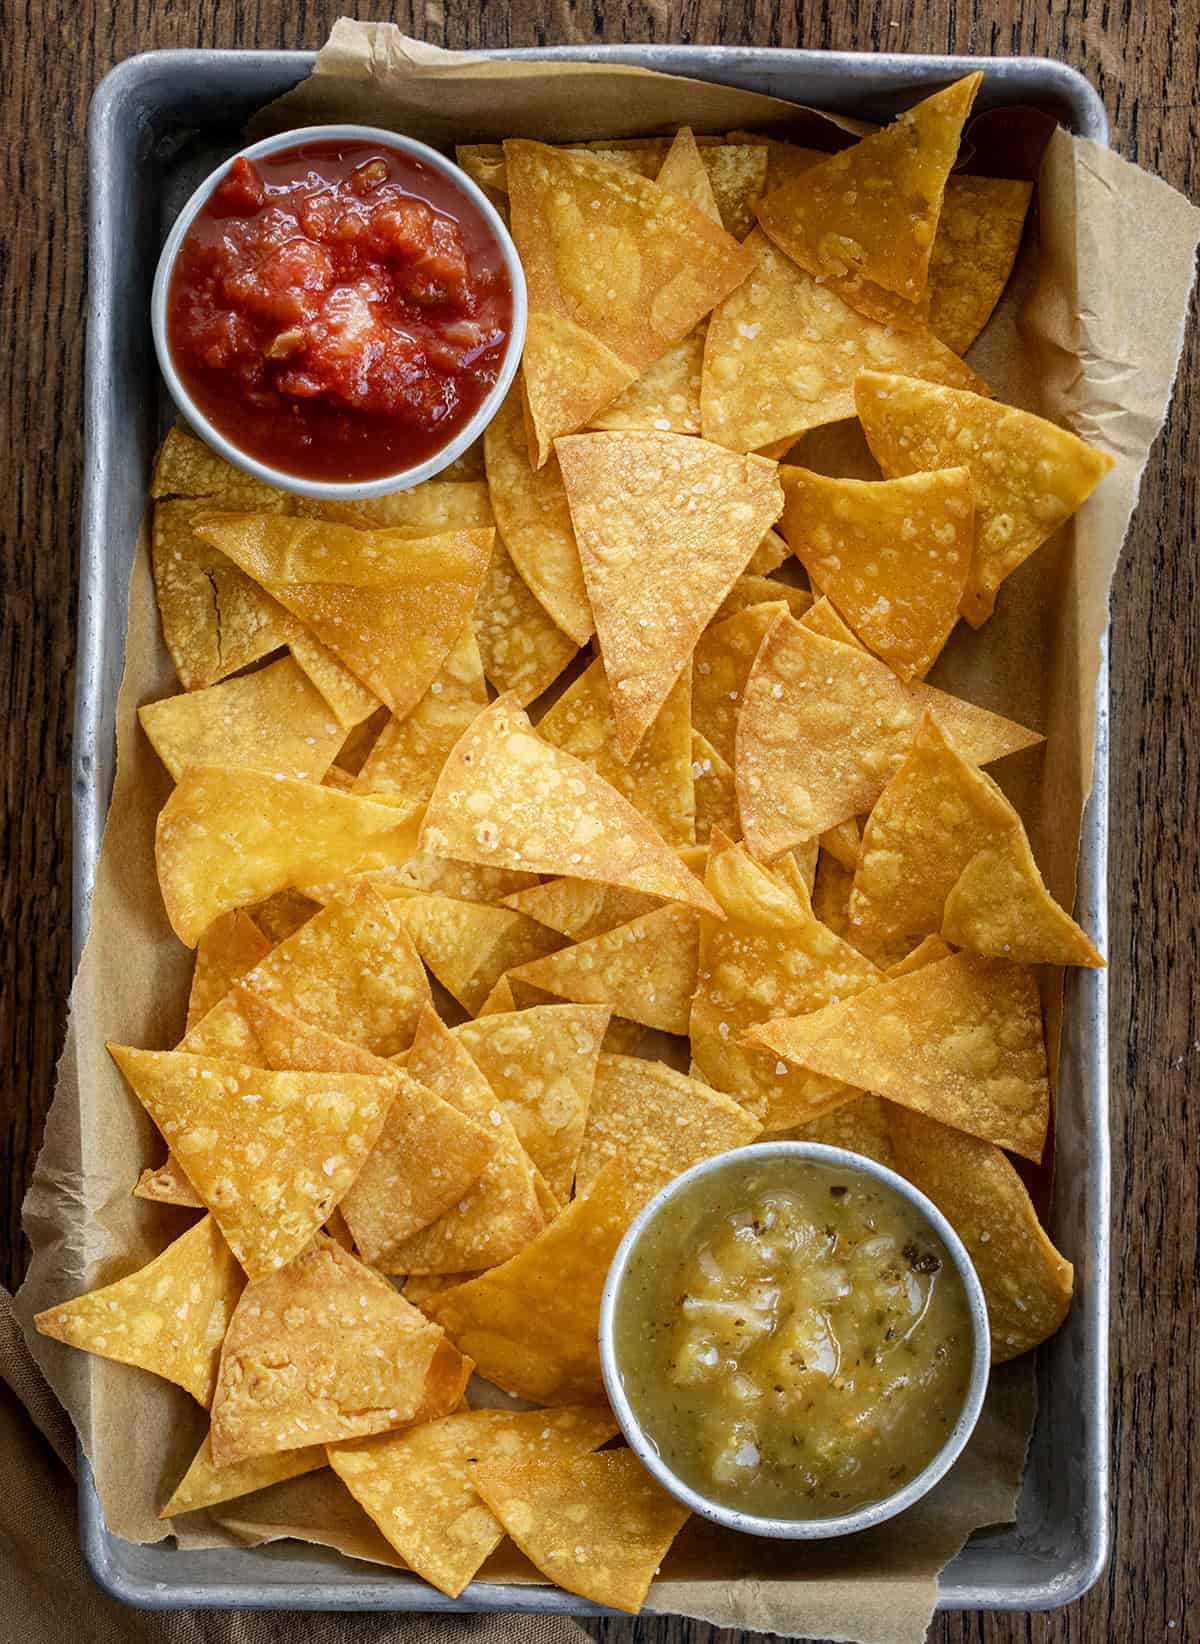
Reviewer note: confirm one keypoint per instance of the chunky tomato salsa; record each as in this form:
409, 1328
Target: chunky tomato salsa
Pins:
338, 310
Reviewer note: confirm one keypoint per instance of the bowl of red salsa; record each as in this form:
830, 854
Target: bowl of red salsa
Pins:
339, 311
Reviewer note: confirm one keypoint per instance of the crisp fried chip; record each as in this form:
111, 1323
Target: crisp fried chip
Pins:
322, 1350
186, 467
599, 1525
657, 778
831, 896
273, 721
770, 554
716, 797
720, 668
227, 837
469, 945
168, 1185
440, 877
860, 1125
999, 906
783, 351
977, 241
659, 1121
430, 508
667, 396
682, 172
350, 701
417, 1486
755, 590
1029, 475
507, 799
891, 555
824, 726
645, 970
784, 160
390, 606
232, 945
865, 219
207, 1485
843, 843
282, 914
587, 232
541, 1064
534, 521
523, 650
822, 619
644, 505
531, 1325
270, 1153
169, 1317
738, 175
769, 957
579, 909
960, 1040
499, 1001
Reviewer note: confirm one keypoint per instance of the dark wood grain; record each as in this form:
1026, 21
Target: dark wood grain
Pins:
1144, 58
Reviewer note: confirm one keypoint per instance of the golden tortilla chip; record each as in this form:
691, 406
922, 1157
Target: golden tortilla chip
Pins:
169, 1317
579, 909
523, 650
770, 554
282, 914
207, 1485
716, 797
438, 876
226, 837
617, 268
232, 945
892, 555
960, 1040
822, 619
499, 1001
350, 701
507, 799
322, 1350
417, 1486
644, 505
824, 726
599, 1525
186, 467
645, 970
721, 666
860, 1125
977, 241
168, 1185
783, 351
752, 590
831, 896
843, 843
659, 1121
667, 396
427, 510
999, 906
469, 945
682, 172
1028, 474
865, 219
657, 777
531, 1325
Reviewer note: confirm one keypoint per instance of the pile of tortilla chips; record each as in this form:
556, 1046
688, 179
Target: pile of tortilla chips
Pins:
542, 834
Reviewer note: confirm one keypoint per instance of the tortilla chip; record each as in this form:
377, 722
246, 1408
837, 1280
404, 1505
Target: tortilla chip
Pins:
716, 797
657, 778
168, 1185
187, 467
823, 620
226, 837
977, 241
587, 235
418, 1486
523, 650
824, 726
531, 1325
751, 590
599, 1525
861, 1125
207, 1485
659, 1121
771, 553
843, 842
645, 970
892, 556
644, 505
720, 668
426, 510
864, 220
349, 700
960, 1040
169, 1317
408, 754
999, 906
534, 521
682, 172
783, 351
322, 1350
507, 799
438, 876
831, 896
1029, 475
282, 914
580, 909
232, 945
667, 396
469, 945
499, 1001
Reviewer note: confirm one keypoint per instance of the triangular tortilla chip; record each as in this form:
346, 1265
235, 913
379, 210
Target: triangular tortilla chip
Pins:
665, 525
281, 915
645, 970
507, 799
978, 238
770, 554
169, 1317
753, 590
186, 467
531, 1325
1029, 475
417, 1486
667, 396
683, 173
168, 1185
350, 701
999, 906
232, 945
437, 876
390, 606
427, 510
226, 837
499, 1001
661, 1123
405, 759
599, 1525
322, 1350
206, 1485
523, 650
891, 555
617, 268
541, 1064
534, 521
657, 778
783, 351
270, 1153
716, 797
579, 909
843, 843
866, 218
469, 945
824, 726
960, 1040
861, 1125
720, 668
822, 619
1026, 1283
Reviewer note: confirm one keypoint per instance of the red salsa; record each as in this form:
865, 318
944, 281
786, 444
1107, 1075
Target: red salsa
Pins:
338, 310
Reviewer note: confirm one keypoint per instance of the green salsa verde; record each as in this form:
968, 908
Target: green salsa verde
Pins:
794, 1339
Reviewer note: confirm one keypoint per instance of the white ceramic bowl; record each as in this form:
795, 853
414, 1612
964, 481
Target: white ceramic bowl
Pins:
331, 489
798, 1529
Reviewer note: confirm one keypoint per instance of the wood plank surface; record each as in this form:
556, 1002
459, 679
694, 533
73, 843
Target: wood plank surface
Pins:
1144, 59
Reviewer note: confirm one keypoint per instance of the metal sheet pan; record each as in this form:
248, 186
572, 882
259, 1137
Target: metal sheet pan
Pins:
158, 124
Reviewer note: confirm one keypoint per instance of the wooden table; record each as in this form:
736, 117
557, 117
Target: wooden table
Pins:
1147, 69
